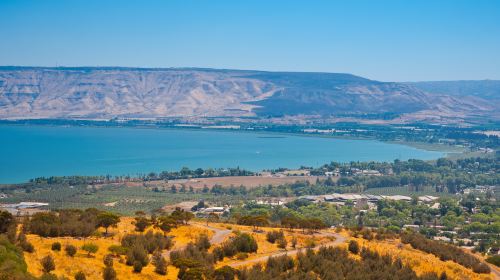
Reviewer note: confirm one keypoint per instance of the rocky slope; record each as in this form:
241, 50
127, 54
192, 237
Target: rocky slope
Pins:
104, 93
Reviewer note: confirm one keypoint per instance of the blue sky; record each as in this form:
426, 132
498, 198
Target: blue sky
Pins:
386, 40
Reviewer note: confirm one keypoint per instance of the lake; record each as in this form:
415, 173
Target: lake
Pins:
34, 151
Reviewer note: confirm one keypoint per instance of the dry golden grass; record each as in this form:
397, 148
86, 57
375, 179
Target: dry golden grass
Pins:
421, 262
93, 266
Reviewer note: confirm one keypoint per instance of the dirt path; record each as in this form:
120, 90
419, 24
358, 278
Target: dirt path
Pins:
339, 239
218, 237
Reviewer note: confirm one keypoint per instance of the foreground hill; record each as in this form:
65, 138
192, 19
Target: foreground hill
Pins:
105, 93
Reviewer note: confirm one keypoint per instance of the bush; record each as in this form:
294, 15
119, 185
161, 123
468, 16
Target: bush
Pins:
90, 248
294, 242
137, 254
137, 267
160, 263
494, 260
241, 256
108, 260
109, 273
48, 264
274, 235
244, 242
70, 250
202, 242
117, 250
225, 273
27, 247
282, 243
48, 276
353, 247
80, 276
56, 246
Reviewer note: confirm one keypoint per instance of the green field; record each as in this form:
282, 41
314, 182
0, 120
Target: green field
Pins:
405, 191
123, 200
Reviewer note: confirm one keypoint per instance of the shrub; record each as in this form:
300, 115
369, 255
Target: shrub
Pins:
274, 235
244, 242
137, 254
282, 243
117, 250
108, 260
202, 242
90, 248
56, 246
48, 276
70, 250
80, 276
109, 273
159, 263
137, 267
353, 247
241, 256
494, 260
225, 273
48, 264
294, 242
218, 254
27, 247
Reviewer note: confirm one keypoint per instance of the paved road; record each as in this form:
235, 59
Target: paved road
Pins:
339, 239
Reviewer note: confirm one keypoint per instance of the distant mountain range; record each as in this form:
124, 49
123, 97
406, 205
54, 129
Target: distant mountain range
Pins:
114, 92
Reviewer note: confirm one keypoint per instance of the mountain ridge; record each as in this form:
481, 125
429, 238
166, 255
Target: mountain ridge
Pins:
130, 92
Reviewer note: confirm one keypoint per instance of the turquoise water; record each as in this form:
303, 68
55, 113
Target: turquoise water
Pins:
34, 151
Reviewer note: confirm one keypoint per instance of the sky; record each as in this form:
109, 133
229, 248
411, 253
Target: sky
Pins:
387, 40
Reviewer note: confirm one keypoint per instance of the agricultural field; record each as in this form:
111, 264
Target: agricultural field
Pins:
405, 191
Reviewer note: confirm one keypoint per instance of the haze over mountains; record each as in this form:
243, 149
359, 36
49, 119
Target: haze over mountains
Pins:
112, 92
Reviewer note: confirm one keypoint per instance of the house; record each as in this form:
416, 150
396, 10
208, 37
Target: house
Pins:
271, 202
412, 227
397, 197
332, 173
427, 198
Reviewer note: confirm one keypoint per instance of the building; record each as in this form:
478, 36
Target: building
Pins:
24, 208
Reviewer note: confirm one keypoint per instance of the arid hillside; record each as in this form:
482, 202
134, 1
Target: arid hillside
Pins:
137, 93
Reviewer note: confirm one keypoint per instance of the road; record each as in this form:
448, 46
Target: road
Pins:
339, 239
218, 237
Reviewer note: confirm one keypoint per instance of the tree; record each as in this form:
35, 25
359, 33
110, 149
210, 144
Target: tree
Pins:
80, 276
90, 248
141, 223
48, 264
160, 263
166, 223
107, 219
6, 221
70, 250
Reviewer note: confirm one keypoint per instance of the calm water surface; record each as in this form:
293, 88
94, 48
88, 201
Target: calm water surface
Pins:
34, 151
